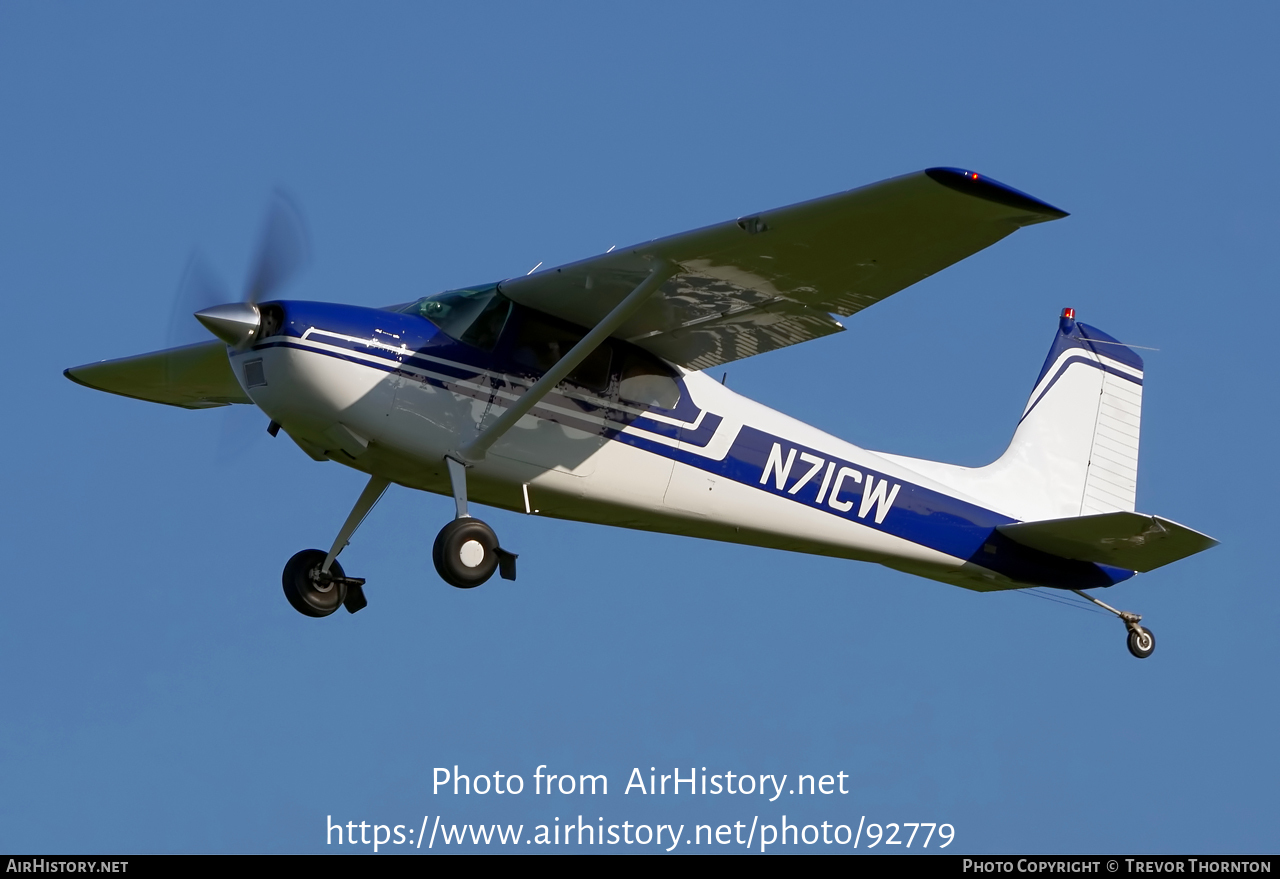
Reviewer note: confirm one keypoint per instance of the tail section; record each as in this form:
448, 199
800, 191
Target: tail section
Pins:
1070, 473
1075, 451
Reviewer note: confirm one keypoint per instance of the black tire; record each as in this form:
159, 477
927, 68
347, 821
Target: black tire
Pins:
1141, 642
307, 596
465, 553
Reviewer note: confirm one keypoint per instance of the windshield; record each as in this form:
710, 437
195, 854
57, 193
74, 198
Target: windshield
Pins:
474, 315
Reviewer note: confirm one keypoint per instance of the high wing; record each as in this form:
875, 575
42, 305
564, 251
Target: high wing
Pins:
774, 279
194, 377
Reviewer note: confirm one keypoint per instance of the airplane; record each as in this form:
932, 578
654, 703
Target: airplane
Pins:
579, 392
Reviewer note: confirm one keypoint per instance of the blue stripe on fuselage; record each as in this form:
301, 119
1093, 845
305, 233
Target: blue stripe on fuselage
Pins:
920, 515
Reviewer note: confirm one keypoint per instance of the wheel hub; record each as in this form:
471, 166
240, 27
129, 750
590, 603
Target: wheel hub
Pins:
319, 581
471, 553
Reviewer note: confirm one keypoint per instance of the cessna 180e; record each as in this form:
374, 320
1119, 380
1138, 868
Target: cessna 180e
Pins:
577, 392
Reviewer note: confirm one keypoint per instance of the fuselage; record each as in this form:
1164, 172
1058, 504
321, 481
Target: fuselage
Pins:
626, 441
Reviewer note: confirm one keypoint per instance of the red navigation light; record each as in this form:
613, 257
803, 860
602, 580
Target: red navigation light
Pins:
1069, 313
973, 175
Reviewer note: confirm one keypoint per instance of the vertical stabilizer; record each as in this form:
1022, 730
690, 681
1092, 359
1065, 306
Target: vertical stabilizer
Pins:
1075, 451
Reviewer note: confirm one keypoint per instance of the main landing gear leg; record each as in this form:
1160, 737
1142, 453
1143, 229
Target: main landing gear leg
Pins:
466, 551
314, 582
1141, 642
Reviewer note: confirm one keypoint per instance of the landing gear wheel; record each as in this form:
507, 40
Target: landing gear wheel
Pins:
1141, 642
465, 553
311, 594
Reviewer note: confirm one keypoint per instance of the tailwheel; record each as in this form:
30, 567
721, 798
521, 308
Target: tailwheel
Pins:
1141, 642
316, 593
465, 553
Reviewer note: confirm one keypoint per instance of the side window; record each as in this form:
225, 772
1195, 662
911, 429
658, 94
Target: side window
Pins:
539, 343
646, 379
485, 329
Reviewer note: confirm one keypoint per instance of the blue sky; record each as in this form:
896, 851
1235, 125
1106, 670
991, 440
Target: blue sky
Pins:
162, 696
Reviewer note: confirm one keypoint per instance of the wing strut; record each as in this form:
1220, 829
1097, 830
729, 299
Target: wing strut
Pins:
475, 450
445, 553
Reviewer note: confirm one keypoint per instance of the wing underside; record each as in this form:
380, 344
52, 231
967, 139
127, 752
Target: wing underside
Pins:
774, 279
193, 377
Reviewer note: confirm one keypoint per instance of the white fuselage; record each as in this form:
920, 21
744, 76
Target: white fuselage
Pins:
717, 466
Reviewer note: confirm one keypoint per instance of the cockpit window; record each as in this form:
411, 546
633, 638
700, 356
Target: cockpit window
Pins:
478, 316
475, 315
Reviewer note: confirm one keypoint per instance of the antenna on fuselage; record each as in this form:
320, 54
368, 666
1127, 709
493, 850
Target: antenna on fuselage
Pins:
532, 270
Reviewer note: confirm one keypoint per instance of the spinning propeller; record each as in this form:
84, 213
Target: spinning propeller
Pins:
282, 250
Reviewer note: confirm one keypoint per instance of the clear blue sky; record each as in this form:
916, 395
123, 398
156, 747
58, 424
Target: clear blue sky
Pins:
160, 694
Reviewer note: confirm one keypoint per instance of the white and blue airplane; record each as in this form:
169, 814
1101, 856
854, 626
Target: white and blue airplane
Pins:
578, 392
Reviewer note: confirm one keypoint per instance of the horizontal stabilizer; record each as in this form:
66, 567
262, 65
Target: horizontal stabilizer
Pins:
1134, 541
193, 377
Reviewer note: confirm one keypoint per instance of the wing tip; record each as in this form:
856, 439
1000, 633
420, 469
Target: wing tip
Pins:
70, 372
974, 184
